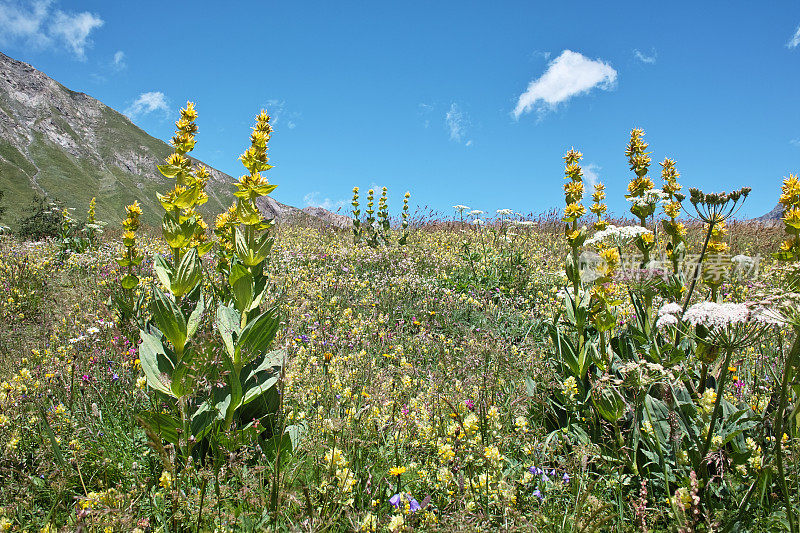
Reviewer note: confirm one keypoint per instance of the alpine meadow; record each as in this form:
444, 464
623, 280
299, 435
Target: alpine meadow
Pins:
182, 352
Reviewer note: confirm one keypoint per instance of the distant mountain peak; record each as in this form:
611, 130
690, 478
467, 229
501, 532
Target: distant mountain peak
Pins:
71, 147
774, 215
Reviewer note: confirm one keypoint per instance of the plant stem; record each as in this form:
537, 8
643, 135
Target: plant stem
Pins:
697, 267
779, 428
718, 402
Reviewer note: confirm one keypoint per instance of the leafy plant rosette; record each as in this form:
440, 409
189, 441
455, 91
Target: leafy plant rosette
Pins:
206, 353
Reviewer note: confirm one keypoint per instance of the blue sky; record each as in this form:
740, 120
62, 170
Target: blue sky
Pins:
459, 102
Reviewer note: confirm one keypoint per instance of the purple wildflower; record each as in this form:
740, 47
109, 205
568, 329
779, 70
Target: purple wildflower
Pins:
397, 501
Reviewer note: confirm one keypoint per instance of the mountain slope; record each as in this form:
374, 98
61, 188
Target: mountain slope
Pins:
71, 147
773, 216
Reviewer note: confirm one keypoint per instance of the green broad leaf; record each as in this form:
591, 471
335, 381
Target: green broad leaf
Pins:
234, 385
247, 213
263, 247
203, 419
257, 379
178, 386
257, 336
229, 327
163, 425
188, 273
565, 351
172, 230
251, 249
129, 282
157, 363
286, 443
587, 355
203, 249
187, 198
169, 319
163, 271
123, 261
241, 281
609, 402
657, 413
258, 299
168, 171
196, 317
262, 407
264, 190
606, 320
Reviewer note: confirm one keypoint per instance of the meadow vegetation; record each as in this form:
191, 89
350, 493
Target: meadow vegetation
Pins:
564, 372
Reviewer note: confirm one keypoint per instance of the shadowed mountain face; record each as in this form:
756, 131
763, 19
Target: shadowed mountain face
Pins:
775, 215
70, 147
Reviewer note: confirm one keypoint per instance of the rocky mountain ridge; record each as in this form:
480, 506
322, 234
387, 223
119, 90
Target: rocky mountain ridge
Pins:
70, 147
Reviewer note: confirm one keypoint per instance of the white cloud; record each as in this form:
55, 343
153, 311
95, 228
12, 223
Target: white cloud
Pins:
794, 42
795, 142
457, 123
279, 113
312, 199
74, 30
147, 103
119, 60
645, 58
24, 22
591, 174
35, 24
424, 110
570, 74
275, 108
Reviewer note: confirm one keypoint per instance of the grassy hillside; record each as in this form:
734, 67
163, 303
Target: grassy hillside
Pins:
70, 148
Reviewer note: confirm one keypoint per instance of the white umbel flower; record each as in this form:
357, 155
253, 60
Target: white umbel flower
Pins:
618, 235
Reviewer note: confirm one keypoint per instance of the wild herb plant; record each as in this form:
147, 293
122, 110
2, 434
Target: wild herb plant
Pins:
357, 229
178, 343
492, 255
126, 302
403, 240
632, 389
376, 229
75, 237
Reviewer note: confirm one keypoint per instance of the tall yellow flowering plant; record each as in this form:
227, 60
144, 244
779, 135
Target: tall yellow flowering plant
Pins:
243, 408
676, 249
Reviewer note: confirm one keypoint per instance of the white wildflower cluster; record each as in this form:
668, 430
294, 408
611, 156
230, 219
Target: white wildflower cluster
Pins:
644, 373
723, 315
668, 315
717, 316
618, 235
650, 198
